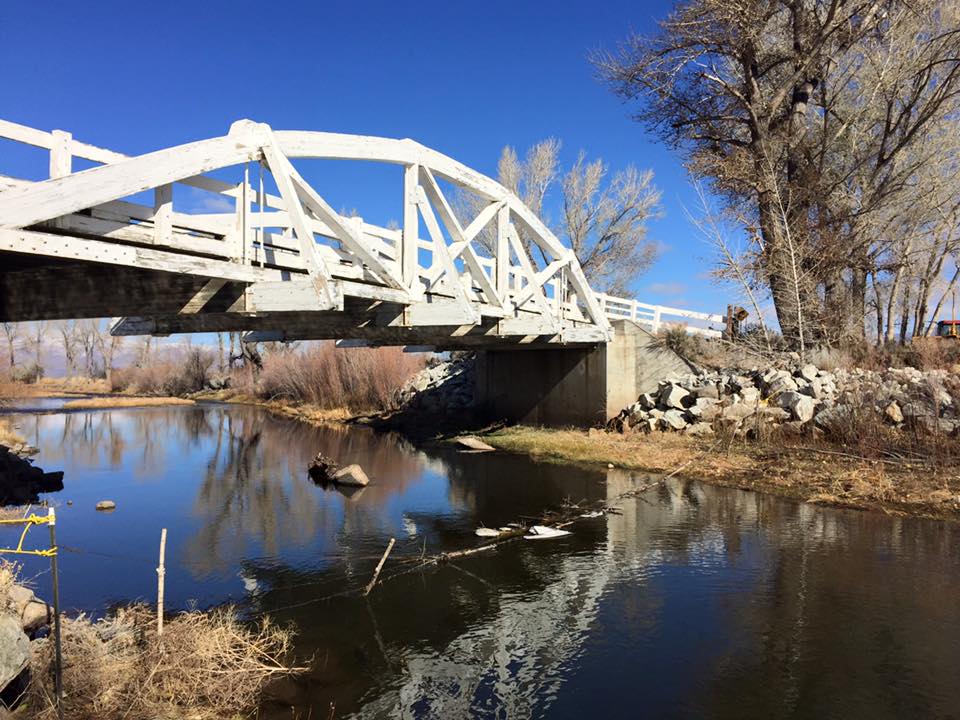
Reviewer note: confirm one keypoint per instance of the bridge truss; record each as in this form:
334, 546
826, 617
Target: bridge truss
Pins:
284, 265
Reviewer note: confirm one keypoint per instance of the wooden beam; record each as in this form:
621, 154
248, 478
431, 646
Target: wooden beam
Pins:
31, 204
461, 243
319, 273
163, 214
528, 271
411, 231
203, 296
440, 251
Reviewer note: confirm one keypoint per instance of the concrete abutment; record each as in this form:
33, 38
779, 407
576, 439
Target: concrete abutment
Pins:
580, 387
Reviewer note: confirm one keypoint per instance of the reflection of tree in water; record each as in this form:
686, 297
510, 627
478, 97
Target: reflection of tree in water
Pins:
792, 606
91, 439
852, 601
256, 488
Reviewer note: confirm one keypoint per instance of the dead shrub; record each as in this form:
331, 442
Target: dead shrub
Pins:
179, 372
207, 664
330, 377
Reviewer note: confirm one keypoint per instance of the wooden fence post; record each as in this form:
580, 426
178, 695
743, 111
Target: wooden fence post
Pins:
160, 573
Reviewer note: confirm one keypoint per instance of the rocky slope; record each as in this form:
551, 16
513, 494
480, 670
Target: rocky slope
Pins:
795, 398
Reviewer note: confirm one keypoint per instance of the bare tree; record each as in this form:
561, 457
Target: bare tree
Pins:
733, 264
70, 341
12, 333
818, 118
603, 218
37, 333
107, 345
87, 334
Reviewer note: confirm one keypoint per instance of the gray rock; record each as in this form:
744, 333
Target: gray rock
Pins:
893, 413
673, 420
699, 430
801, 407
707, 391
740, 411
472, 443
809, 372
35, 616
832, 419
647, 401
771, 413
106, 505
781, 383
352, 475
14, 649
672, 396
707, 408
20, 597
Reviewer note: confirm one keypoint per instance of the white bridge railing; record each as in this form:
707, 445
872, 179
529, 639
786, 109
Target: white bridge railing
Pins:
655, 317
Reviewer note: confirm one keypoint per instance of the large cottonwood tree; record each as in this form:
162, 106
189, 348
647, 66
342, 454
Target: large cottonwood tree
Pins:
822, 125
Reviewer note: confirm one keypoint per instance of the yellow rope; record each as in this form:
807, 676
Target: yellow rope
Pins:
28, 522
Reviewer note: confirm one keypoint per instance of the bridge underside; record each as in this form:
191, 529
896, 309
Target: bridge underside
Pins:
164, 303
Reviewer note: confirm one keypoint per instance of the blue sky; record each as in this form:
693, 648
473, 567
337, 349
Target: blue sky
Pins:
463, 78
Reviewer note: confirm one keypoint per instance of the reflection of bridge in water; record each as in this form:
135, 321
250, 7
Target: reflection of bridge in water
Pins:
701, 598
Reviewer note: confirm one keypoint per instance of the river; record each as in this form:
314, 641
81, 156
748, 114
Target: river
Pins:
697, 601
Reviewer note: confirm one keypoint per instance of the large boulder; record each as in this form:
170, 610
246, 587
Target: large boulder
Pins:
893, 413
352, 475
699, 430
799, 406
468, 443
672, 396
673, 420
739, 411
35, 615
782, 382
14, 649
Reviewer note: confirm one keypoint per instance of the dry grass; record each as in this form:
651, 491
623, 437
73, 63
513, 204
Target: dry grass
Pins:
321, 375
8, 434
124, 402
175, 372
798, 468
53, 387
207, 665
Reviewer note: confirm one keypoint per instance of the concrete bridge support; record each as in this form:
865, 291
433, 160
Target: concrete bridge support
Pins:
580, 387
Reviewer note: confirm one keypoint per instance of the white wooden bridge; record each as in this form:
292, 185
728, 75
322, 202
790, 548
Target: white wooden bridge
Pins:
96, 234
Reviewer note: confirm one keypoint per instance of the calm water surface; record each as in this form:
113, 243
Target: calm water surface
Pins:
695, 602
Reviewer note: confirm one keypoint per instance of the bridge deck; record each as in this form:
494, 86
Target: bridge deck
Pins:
283, 263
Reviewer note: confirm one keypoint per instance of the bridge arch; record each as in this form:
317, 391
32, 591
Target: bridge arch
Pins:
287, 264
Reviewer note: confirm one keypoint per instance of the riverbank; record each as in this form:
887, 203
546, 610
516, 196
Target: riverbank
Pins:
307, 413
124, 401
806, 469
817, 472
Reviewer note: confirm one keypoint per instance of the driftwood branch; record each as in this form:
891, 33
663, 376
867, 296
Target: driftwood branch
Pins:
376, 573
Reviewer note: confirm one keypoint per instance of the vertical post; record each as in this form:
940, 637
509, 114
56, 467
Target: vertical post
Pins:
409, 250
160, 573
261, 231
243, 203
502, 280
634, 309
656, 320
61, 159
54, 569
163, 214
